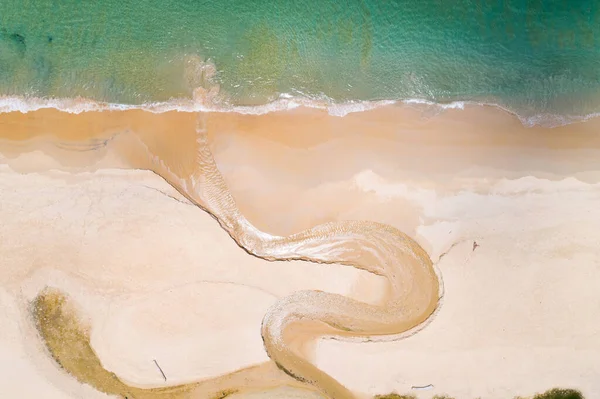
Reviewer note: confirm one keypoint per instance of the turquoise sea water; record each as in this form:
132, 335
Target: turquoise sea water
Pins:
532, 56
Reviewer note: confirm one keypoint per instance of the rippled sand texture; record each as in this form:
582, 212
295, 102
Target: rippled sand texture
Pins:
294, 320
374, 247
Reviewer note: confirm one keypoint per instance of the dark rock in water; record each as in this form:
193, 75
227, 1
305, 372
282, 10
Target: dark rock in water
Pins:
15, 39
50, 39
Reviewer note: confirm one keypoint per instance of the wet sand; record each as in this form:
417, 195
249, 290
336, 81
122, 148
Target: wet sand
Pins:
515, 313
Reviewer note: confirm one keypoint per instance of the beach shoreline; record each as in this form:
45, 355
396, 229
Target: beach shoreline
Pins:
518, 300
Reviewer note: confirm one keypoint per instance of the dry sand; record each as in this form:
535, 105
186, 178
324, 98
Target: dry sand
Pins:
157, 278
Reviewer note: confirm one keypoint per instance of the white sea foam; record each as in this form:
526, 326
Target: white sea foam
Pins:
451, 105
285, 102
553, 120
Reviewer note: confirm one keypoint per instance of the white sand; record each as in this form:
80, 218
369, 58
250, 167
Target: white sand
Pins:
518, 312
160, 280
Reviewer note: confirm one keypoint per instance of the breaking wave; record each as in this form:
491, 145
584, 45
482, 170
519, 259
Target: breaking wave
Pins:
284, 102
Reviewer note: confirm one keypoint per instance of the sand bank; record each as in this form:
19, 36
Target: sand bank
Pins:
144, 266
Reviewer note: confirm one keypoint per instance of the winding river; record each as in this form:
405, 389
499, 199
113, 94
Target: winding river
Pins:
412, 296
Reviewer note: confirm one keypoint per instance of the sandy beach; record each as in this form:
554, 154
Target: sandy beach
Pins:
508, 216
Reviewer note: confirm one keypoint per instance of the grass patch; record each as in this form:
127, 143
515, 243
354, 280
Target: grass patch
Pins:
558, 393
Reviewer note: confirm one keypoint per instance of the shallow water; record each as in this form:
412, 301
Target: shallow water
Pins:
535, 57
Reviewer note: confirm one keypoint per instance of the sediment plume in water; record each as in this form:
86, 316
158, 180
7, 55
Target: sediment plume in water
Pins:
153, 143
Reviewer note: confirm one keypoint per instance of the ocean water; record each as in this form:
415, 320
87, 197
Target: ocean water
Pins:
533, 57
